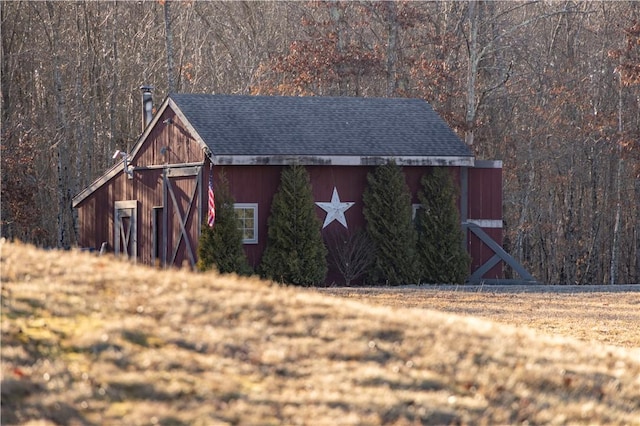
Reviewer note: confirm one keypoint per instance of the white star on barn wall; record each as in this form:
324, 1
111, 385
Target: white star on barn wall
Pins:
335, 209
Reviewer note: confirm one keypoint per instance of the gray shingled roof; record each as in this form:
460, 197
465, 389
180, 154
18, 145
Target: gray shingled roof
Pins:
232, 125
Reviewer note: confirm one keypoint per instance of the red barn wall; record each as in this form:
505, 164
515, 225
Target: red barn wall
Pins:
169, 142
168, 145
258, 184
147, 189
95, 213
485, 205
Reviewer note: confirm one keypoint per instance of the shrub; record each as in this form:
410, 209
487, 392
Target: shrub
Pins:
387, 210
220, 246
295, 252
441, 255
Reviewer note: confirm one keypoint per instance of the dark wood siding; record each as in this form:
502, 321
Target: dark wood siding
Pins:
169, 142
485, 192
148, 191
168, 145
182, 205
485, 204
95, 213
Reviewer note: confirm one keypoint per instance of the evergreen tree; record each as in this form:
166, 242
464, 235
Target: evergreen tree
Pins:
295, 252
220, 246
441, 256
387, 209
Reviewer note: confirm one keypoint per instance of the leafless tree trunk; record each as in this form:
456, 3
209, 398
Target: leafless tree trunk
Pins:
336, 12
636, 233
110, 143
171, 81
613, 273
392, 48
472, 72
61, 135
503, 74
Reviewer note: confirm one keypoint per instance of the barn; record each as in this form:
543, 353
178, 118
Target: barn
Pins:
150, 205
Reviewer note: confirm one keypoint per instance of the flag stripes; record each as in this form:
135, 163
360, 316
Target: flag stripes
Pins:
212, 202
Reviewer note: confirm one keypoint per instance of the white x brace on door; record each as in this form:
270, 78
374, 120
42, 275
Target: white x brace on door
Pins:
181, 221
125, 229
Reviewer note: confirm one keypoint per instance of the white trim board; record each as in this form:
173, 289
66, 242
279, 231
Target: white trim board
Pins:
339, 160
486, 223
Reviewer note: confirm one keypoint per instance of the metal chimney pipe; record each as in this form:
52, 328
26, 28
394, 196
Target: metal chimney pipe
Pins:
147, 106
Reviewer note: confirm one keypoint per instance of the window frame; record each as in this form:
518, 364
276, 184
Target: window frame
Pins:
249, 206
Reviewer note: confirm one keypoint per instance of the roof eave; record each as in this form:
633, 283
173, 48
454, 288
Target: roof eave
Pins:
169, 103
106, 176
192, 130
113, 171
109, 174
340, 160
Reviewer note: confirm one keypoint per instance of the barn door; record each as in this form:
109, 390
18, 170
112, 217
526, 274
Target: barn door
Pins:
181, 214
125, 229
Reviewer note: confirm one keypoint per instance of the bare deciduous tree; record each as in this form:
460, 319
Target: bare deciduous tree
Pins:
351, 253
553, 110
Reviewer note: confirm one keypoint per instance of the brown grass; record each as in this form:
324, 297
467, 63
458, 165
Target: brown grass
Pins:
90, 340
590, 313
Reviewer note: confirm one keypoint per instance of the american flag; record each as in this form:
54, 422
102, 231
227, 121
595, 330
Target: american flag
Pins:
212, 202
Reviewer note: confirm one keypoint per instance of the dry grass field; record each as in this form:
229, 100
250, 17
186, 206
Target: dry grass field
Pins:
606, 314
89, 340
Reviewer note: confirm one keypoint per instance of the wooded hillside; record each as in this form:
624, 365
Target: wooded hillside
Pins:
549, 88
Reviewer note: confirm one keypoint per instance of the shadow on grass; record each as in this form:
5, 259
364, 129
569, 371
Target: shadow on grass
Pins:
18, 408
171, 421
416, 385
200, 348
388, 335
137, 338
125, 391
409, 412
13, 396
35, 347
21, 307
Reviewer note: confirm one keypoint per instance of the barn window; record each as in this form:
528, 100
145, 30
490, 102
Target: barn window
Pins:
414, 210
247, 214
